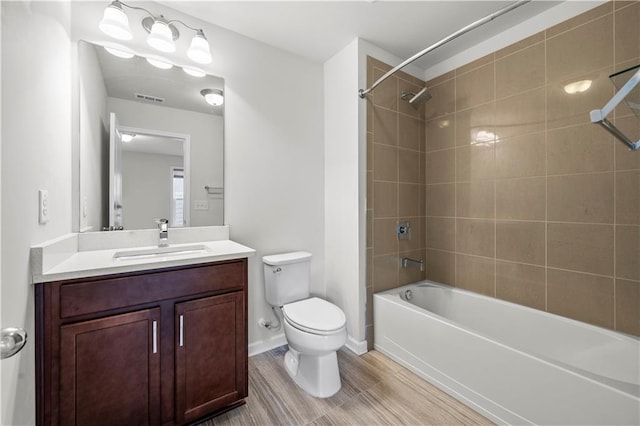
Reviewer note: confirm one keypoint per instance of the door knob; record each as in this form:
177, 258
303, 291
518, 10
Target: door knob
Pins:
11, 341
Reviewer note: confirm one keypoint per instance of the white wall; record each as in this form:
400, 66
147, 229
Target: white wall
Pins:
274, 168
36, 153
345, 240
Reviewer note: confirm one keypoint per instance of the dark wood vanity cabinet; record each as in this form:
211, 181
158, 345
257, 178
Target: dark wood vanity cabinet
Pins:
160, 347
211, 336
102, 384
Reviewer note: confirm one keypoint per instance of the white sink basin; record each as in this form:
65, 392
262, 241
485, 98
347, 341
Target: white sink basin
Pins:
159, 252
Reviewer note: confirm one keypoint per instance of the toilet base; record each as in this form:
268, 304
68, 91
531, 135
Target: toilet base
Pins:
318, 375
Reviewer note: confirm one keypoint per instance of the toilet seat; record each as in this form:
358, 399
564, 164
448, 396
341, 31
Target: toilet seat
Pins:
315, 316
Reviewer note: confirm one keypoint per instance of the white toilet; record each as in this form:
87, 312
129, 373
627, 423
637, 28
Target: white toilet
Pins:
315, 329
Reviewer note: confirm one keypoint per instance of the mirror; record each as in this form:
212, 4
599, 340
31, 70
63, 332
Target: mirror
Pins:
150, 146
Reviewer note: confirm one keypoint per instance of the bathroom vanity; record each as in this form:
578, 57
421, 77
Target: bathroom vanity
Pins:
162, 342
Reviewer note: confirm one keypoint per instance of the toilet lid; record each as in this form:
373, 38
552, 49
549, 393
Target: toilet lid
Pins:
314, 314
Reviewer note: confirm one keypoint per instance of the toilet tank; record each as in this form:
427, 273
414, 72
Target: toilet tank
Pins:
286, 277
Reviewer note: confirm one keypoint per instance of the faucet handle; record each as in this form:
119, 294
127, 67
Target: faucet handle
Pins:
163, 224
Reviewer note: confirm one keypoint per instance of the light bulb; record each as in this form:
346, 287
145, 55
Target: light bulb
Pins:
161, 37
160, 63
213, 97
199, 49
194, 72
115, 23
119, 52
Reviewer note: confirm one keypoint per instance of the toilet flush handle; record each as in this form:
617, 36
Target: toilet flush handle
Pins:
278, 269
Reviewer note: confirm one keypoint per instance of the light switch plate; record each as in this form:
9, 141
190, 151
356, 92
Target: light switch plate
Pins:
43, 206
201, 205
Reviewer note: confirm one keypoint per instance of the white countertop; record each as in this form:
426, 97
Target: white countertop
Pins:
61, 260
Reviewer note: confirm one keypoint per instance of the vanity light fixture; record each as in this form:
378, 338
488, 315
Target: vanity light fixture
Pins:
213, 97
162, 32
115, 23
199, 49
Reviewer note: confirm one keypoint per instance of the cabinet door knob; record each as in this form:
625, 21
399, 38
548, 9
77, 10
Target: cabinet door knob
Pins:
11, 341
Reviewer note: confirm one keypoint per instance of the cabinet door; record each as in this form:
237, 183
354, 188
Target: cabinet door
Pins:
211, 355
110, 370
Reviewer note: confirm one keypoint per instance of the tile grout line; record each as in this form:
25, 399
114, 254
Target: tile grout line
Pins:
455, 179
397, 183
615, 192
546, 180
495, 186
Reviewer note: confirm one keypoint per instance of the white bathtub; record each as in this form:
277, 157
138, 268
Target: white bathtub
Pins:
513, 364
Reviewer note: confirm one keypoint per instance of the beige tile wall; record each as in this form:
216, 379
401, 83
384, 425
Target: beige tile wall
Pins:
526, 200
395, 183
510, 190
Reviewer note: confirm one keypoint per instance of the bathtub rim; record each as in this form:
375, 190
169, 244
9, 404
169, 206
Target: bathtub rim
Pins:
393, 296
603, 330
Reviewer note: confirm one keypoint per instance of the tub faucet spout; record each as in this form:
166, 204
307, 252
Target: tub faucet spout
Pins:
418, 263
163, 226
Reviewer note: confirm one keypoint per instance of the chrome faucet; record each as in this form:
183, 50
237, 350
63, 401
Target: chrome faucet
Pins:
163, 226
418, 263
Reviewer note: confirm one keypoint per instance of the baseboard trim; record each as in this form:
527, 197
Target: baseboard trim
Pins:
255, 348
355, 346
261, 346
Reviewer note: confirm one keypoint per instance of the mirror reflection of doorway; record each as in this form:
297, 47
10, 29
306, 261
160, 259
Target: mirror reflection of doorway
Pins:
154, 177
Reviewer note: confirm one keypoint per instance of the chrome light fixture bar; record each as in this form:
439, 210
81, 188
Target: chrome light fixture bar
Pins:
162, 32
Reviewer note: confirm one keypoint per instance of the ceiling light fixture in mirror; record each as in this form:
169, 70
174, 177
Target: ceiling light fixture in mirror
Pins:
213, 97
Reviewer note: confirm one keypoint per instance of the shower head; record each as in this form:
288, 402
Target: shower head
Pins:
416, 99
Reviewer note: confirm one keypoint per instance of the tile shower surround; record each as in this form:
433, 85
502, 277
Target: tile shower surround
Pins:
521, 197
396, 184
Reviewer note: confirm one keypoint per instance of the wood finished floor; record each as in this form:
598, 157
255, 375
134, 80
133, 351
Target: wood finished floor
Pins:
375, 391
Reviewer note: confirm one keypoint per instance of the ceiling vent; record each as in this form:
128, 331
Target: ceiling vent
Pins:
149, 98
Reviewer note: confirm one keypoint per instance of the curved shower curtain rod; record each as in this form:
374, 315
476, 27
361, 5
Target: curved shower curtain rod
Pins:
445, 40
